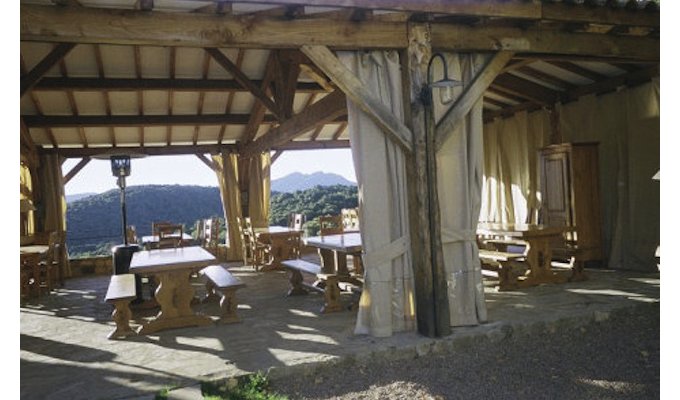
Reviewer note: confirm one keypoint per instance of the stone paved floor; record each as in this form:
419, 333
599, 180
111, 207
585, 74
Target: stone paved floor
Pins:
65, 353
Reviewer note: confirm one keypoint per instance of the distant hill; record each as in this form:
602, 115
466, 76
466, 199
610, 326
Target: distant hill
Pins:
70, 198
298, 181
94, 223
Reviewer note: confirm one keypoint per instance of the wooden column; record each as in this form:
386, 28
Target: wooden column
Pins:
432, 304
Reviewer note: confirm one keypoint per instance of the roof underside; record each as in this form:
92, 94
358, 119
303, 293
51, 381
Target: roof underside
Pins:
109, 92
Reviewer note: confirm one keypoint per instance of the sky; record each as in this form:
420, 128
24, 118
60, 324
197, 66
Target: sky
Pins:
96, 177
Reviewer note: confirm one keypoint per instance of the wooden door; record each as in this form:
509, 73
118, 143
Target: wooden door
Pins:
556, 189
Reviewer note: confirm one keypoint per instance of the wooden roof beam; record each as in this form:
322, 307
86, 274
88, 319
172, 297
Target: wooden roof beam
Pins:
51, 59
113, 26
448, 37
323, 111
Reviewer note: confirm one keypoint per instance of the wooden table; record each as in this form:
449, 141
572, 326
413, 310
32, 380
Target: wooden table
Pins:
334, 249
280, 238
172, 269
152, 240
539, 251
32, 250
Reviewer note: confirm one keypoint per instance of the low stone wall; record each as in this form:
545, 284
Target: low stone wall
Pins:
102, 265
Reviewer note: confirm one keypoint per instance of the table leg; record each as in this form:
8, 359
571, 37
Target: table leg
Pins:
174, 294
278, 251
327, 261
539, 257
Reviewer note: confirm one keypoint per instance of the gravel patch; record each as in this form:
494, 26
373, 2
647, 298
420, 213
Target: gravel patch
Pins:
611, 357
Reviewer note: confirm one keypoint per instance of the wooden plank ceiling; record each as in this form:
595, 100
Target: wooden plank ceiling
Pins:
82, 97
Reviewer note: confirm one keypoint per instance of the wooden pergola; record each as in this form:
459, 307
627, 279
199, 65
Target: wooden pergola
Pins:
251, 76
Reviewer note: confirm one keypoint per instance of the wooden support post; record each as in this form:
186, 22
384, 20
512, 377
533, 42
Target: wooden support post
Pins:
432, 304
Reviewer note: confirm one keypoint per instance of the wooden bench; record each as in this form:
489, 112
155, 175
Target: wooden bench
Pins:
120, 292
330, 290
222, 281
503, 264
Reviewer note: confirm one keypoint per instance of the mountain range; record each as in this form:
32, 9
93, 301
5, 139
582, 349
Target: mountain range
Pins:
287, 184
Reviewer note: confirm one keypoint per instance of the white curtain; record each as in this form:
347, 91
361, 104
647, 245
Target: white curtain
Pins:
459, 184
627, 126
387, 303
511, 186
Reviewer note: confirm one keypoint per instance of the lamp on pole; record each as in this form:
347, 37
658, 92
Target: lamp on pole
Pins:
120, 167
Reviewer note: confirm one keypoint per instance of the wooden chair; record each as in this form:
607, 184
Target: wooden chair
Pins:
170, 236
260, 253
330, 225
131, 233
296, 221
350, 219
47, 273
211, 233
157, 224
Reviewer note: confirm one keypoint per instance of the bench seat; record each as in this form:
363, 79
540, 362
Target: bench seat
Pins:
222, 285
504, 264
330, 289
120, 293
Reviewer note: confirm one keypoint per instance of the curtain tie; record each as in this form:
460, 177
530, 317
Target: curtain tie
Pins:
384, 255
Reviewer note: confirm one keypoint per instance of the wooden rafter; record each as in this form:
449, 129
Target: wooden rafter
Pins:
525, 88
339, 131
230, 99
257, 114
171, 96
50, 60
578, 70
38, 107
471, 94
241, 78
63, 121
140, 93
201, 96
77, 168
547, 78
178, 85
107, 98
357, 92
323, 111
73, 104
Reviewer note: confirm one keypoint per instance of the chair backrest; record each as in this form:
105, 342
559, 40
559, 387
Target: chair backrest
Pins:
131, 234
350, 219
157, 224
211, 232
330, 225
170, 236
295, 221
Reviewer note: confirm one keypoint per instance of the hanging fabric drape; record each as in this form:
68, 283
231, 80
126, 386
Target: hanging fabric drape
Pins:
227, 173
626, 124
259, 172
459, 185
511, 188
25, 194
52, 205
387, 304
